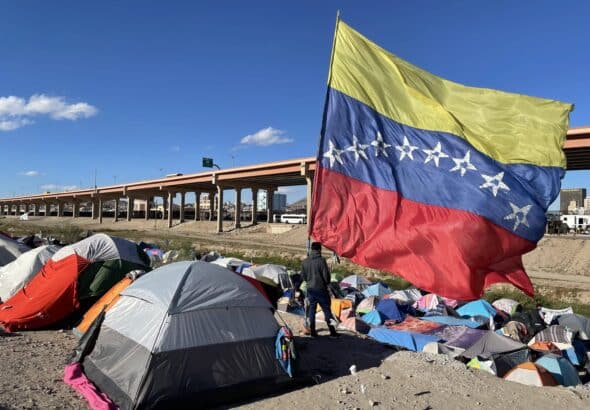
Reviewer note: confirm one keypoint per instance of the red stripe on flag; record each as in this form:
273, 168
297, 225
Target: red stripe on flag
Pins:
450, 252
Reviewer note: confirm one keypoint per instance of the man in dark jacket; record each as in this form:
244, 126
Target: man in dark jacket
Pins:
316, 273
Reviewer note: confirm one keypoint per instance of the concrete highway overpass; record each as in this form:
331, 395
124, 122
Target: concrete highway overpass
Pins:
268, 177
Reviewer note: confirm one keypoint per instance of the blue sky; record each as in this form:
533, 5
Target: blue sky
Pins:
142, 89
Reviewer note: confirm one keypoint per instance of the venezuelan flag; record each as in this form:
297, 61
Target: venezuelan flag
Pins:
443, 184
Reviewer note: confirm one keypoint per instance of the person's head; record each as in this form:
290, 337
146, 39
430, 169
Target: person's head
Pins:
316, 246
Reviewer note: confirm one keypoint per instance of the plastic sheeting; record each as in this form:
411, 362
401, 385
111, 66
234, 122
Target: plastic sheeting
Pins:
408, 340
492, 343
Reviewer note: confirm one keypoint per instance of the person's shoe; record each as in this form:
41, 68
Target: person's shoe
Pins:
313, 335
334, 336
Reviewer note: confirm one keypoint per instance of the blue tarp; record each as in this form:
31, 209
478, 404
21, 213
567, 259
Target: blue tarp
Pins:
378, 289
373, 318
561, 370
477, 308
409, 340
388, 308
453, 321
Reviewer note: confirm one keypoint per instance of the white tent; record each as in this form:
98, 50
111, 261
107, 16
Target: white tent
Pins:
15, 275
268, 273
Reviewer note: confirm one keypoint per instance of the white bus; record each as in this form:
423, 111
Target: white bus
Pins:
293, 219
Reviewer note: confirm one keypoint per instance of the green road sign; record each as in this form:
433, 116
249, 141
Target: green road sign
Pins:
207, 162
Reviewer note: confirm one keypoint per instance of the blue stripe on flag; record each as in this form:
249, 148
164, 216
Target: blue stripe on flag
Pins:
435, 168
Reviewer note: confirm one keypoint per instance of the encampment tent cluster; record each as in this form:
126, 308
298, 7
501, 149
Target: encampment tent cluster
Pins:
541, 347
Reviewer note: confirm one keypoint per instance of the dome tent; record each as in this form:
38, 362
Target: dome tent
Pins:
185, 331
15, 275
75, 275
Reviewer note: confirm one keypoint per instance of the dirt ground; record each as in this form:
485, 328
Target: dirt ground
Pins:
31, 363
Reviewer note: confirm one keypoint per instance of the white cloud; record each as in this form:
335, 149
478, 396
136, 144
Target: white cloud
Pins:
30, 173
58, 188
16, 112
266, 136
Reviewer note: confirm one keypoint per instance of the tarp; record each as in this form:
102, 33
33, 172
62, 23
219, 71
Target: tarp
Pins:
427, 302
559, 335
577, 323
479, 307
508, 306
459, 336
373, 318
355, 281
549, 315
356, 325
561, 369
411, 324
405, 295
407, 340
388, 309
15, 275
453, 321
492, 343
378, 289
366, 305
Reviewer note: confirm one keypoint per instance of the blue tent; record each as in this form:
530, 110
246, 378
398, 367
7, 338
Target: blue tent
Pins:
561, 369
388, 309
452, 321
378, 289
373, 318
409, 340
477, 308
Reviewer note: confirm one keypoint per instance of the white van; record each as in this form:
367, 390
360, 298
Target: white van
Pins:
293, 219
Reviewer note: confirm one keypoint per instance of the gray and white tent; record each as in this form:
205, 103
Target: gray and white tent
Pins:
181, 334
492, 343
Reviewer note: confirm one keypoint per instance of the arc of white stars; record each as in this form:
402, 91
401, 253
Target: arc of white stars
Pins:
406, 149
495, 183
334, 154
434, 154
358, 149
519, 215
380, 145
463, 164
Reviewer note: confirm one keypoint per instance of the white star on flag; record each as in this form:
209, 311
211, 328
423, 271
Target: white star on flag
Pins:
406, 149
380, 145
519, 215
358, 149
495, 183
434, 154
463, 164
333, 153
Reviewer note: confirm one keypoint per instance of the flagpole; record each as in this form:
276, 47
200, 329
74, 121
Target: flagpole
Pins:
324, 115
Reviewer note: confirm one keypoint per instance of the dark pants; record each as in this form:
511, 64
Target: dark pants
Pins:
321, 297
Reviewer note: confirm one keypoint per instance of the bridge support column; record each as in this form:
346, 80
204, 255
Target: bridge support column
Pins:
116, 215
211, 205
47, 209
130, 205
238, 213
219, 209
170, 208
94, 208
197, 206
181, 213
99, 210
254, 205
163, 208
75, 209
60, 209
148, 205
309, 185
269, 195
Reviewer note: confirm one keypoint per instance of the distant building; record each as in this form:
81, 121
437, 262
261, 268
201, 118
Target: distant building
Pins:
567, 196
279, 202
587, 203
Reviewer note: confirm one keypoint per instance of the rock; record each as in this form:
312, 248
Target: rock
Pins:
385, 377
373, 403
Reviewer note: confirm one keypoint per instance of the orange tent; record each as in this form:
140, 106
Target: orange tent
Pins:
531, 374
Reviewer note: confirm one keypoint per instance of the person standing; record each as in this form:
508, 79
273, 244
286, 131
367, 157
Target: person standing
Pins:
315, 272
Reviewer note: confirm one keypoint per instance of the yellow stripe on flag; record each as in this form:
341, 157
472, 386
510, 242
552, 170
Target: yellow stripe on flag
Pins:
510, 128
